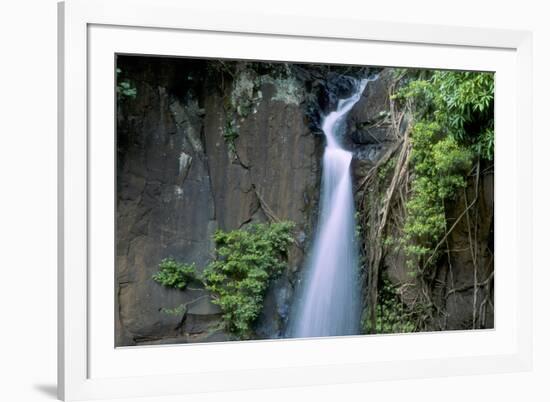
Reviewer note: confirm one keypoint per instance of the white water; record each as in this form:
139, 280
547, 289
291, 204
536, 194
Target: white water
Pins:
328, 302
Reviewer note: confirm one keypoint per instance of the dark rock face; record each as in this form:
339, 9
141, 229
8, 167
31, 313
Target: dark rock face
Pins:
467, 265
370, 123
179, 180
162, 172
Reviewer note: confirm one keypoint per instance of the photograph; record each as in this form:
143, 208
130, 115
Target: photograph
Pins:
262, 200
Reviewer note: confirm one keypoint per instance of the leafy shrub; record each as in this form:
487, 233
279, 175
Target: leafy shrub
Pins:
245, 262
174, 274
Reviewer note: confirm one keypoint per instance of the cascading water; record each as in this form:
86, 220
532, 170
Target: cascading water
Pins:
328, 303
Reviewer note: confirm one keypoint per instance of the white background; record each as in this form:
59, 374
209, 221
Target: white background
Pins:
28, 200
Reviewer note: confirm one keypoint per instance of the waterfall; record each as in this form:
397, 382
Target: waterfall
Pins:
328, 301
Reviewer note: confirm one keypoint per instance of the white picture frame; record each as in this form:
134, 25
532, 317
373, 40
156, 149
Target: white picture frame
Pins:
91, 32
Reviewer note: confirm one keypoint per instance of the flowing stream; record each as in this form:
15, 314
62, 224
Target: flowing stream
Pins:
328, 303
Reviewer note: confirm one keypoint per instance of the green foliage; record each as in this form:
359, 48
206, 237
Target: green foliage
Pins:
175, 274
440, 166
451, 163
461, 103
245, 262
124, 88
392, 316
453, 127
464, 102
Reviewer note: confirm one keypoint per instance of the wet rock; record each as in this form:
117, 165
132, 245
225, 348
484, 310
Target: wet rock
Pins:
374, 105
